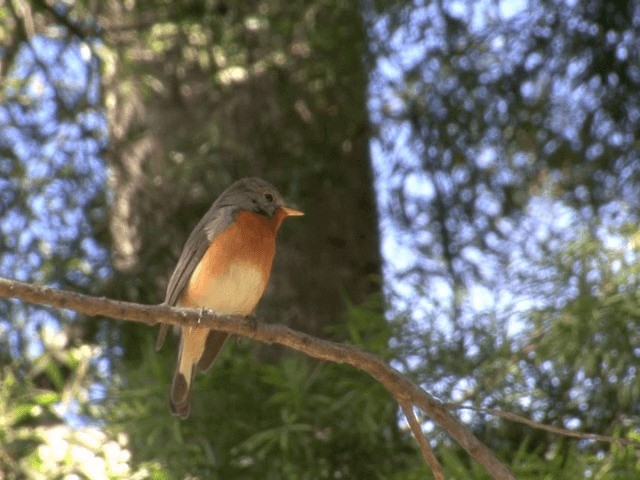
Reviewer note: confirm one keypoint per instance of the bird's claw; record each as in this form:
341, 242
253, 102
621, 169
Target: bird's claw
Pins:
253, 321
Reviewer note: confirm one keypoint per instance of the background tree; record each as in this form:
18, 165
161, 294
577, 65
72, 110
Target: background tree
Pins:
201, 94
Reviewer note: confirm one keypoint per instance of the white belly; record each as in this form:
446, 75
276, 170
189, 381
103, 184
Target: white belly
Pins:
235, 291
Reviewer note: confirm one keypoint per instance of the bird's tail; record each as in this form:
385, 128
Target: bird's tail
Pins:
162, 334
212, 347
198, 346
192, 343
180, 398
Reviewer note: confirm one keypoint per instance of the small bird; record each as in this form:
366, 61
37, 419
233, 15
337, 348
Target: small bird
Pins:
225, 267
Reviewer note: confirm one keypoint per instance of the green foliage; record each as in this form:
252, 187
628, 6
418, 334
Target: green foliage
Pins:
585, 353
36, 401
572, 365
255, 419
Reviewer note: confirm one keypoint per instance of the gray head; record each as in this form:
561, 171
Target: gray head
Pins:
258, 196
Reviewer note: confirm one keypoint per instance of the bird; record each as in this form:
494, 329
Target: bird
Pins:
224, 266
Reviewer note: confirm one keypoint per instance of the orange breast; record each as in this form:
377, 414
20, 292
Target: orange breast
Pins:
234, 271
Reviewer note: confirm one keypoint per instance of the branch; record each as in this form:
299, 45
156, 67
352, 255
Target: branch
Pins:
596, 437
427, 453
15, 34
402, 389
82, 33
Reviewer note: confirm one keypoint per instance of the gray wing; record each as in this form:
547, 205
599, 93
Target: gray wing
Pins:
214, 222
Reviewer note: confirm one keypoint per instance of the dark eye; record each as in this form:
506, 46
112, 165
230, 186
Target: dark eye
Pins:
269, 197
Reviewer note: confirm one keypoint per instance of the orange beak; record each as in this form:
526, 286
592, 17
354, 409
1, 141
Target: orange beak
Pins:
291, 212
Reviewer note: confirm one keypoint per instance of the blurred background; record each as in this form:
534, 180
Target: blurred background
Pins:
470, 174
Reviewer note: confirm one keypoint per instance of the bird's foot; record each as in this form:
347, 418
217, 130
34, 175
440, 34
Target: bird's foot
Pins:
253, 321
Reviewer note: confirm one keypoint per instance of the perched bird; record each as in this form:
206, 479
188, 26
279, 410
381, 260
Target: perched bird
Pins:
225, 267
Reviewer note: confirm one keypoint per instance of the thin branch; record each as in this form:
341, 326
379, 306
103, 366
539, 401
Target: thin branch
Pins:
83, 33
14, 37
549, 428
402, 389
427, 453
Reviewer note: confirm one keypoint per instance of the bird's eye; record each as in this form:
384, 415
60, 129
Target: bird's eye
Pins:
269, 197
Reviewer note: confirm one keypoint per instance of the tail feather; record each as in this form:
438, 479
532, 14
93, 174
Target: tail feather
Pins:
162, 334
212, 347
180, 396
192, 343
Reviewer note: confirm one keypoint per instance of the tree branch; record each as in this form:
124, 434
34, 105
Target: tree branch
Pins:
596, 437
403, 390
427, 453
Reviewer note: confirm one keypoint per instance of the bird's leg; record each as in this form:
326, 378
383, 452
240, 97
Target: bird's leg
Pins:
200, 313
254, 323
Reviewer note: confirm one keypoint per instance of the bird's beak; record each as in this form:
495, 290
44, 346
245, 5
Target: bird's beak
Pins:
291, 212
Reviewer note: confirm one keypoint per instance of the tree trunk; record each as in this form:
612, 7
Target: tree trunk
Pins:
291, 108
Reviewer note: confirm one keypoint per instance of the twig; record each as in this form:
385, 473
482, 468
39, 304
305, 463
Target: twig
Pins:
81, 32
549, 428
427, 453
403, 390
